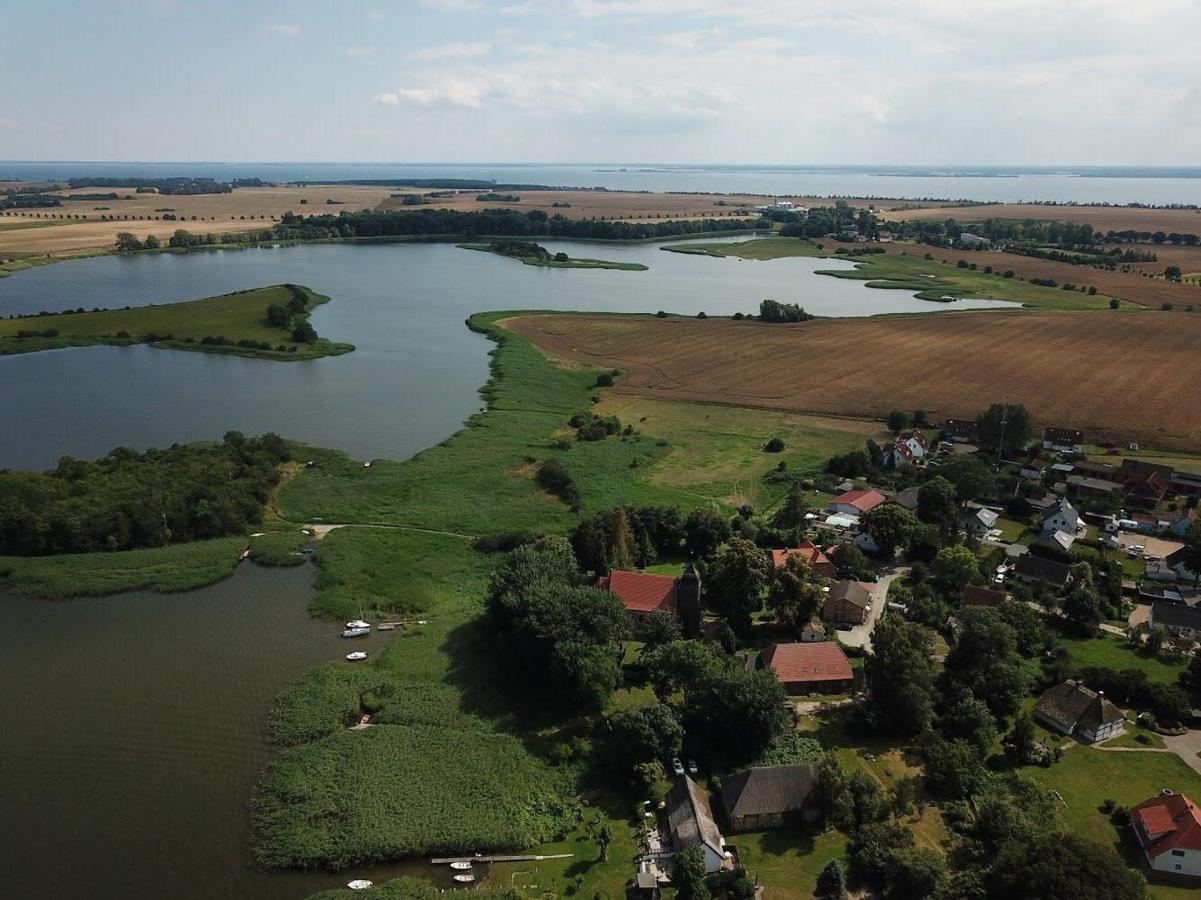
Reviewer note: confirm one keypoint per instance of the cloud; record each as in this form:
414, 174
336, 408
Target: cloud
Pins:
452, 5
388, 98
8, 122
285, 29
360, 52
450, 91
455, 50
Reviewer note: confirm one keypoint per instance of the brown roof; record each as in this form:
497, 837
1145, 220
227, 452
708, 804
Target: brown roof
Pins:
853, 592
1063, 435
1170, 822
806, 550
861, 500
973, 595
1071, 704
690, 816
641, 591
768, 790
806, 663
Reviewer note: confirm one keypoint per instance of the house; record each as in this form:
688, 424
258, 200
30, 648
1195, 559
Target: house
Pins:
814, 630
974, 595
805, 667
1103, 471
1177, 562
961, 431
1057, 541
1084, 486
1039, 568
1063, 468
1073, 709
1033, 469
1180, 619
691, 823
906, 498
640, 592
978, 521
856, 503
865, 542
768, 796
1063, 440
1168, 828
847, 601
1061, 516
1186, 484
819, 563
975, 241
906, 450
1182, 521
1145, 483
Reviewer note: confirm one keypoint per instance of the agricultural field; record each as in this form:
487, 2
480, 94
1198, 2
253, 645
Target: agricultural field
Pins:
241, 316
948, 364
1105, 218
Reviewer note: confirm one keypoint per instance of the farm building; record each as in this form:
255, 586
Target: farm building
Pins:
805, 667
1145, 483
819, 563
1168, 828
848, 602
768, 796
690, 820
906, 498
1063, 440
643, 593
856, 503
1073, 709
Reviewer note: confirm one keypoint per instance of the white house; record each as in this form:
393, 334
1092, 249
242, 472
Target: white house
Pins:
1063, 440
866, 543
1033, 469
979, 521
907, 450
1061, 516
690, 819
1071, 708
1168, 828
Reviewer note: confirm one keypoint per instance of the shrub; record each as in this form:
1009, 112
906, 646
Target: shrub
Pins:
1114, 302
554, 477
775, 445
604, 379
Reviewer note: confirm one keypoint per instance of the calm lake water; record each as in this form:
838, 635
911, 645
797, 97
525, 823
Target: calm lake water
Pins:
132, 735
415, 375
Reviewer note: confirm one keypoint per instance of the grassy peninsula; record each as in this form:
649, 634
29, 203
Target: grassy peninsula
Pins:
266, 323
536, 255
908, 270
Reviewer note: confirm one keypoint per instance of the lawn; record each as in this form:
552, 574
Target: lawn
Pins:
1011, 531
240, 316
788, 861
1113, 652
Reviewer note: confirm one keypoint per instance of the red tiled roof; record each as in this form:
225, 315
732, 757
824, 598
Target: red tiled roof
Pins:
640, 591
973, 595
1174, 818
808, 662
861, 500
806, 550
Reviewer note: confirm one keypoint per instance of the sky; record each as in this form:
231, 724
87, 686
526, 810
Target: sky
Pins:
921, 82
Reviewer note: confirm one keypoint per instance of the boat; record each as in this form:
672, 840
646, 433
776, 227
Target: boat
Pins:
358, 623
360, 884
356, 632
461, 866
245, 554
464, 879
385, 626
356, 656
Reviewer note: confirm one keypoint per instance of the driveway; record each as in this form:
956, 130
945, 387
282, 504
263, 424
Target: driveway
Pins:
861, 635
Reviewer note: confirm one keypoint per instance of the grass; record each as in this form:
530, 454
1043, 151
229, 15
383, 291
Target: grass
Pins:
928, 279
405, 889
239, 316
1011, 531
178, 567
279, 548
1129, 738
788, 861
1111, 651
570, 263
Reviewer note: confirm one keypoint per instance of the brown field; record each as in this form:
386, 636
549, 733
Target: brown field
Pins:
1133, 286
1106, 218
66, 238
1120, 376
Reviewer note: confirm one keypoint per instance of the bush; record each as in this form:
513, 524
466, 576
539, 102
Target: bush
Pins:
554, 477
504, 542
1114, 302
604, 379
775, 445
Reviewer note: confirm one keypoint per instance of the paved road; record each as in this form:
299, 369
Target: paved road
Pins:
861, 635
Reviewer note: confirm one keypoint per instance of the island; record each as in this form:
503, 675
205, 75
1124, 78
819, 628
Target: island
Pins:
268, 323
536, 255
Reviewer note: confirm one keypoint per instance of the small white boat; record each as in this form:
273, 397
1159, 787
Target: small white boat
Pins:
464, 879
358, 623
245, 554
356, 632
360, 884
461, 866
356, 656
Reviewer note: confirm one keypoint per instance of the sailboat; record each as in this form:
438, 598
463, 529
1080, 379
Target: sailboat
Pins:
356, 656
357, 627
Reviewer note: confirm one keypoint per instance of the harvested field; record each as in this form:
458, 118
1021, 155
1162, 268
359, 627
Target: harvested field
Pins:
1117, 376
1105, 218
66, 237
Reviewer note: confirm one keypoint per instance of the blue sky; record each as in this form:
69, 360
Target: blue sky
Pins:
758, 81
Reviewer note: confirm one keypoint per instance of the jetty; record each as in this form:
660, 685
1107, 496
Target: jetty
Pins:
447, 860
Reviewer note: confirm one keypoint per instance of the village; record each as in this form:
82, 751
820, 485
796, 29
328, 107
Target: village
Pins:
974, 536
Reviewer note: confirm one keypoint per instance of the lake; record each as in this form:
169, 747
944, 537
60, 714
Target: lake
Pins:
416, 373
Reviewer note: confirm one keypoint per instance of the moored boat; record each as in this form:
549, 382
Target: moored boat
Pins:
360, 884
356, 656
461, 866
464, 879
356, 632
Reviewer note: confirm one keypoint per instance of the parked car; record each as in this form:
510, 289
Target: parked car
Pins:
677, 767
844, 626
692, 770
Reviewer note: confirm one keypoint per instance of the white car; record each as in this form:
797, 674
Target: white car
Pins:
676, 766
692, 767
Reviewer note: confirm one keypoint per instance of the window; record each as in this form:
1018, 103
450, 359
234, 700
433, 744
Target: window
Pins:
1178, 853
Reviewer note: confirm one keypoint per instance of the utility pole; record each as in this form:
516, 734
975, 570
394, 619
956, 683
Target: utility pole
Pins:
1004, 421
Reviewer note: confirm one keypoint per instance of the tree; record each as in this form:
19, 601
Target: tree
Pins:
680, 664
604, 837
899, 675
832, 881
278, 315
733, 715
304, 333
689, 874
151, 242
897, 421
791, 514
794, 595
851, 562
1007, 423
971, 477
1021, 739
954, 769
775, 445
128, 241
1192, 551
937, 505
704, 531
967, 718
891, 526
645, 734
1082, 605
1054, 866
954, 568
985, 662
657, 628
737, 578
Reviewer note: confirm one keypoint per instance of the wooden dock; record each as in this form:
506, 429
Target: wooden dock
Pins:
447, 860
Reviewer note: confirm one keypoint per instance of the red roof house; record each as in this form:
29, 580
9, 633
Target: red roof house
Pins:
856, 503
812, 554
1169, 829
813, 666
640, 592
